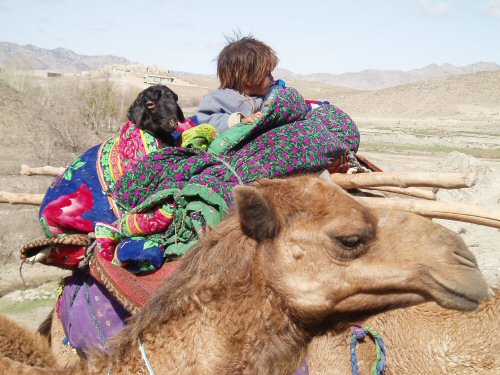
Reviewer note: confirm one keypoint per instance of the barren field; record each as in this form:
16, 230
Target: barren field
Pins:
448, 125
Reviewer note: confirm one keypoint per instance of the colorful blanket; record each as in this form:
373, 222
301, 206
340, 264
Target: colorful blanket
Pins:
146, 203
77, 201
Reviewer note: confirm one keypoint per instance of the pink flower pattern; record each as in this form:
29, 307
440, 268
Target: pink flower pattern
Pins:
67, 210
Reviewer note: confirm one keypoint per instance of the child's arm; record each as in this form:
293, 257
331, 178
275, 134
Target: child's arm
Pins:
219, 109
225, 108
253, 117
218, 120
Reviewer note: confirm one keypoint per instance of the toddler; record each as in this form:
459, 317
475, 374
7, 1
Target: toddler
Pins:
244, 69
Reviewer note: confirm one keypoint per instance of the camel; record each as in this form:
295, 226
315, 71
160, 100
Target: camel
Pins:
293, 254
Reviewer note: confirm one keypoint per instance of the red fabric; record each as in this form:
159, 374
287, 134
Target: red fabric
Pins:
183, 126
126, 286
342, 165
367, 163
66, 256
67, 211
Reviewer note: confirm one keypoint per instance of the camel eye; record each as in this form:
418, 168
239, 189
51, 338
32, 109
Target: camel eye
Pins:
350, 242
346, 248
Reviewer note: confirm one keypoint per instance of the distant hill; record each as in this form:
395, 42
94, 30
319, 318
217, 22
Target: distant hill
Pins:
62, 59
373, 79
59, 59
471, 96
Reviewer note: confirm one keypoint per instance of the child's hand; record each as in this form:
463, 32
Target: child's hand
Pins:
253, 117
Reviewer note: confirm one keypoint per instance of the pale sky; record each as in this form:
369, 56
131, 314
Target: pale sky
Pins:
309, 36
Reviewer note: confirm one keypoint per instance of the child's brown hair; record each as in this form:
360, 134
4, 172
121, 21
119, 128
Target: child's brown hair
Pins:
244, 61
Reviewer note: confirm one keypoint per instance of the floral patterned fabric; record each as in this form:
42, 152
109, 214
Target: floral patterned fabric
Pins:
74, 203
77, 201
147, 203
196, 186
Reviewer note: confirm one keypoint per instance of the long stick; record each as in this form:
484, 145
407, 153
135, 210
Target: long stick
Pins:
386, 181
411, 191
21, 198
47, 170
404, 179
441, 210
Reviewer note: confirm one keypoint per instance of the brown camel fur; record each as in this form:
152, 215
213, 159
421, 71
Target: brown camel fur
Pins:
423, 339
252, 294
22, 345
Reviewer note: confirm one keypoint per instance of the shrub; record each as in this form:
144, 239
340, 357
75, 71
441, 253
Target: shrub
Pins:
99, 106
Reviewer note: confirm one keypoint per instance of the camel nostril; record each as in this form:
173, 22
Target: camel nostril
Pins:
465, 258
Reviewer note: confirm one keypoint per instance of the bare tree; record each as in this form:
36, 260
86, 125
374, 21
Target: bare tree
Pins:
56, 122
99, 106
15, 72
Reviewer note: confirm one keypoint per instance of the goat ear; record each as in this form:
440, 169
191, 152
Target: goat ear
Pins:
180, 114
136, 112
257, 218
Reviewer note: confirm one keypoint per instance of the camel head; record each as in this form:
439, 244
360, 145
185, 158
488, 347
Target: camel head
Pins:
326, 254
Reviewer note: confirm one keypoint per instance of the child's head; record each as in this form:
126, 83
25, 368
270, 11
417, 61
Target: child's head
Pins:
245, 65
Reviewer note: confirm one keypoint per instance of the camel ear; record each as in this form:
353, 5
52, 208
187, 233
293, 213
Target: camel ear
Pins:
257, 217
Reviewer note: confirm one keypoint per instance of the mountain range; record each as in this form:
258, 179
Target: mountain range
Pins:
59, 59
62, 59
372, 79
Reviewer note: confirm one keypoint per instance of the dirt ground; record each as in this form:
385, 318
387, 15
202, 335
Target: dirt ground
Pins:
445, 139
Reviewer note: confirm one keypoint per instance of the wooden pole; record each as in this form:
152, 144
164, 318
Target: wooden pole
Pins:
433, 209
440, 210
411, 191
47, 170
444, 210
383, 181
404, 179
21, 198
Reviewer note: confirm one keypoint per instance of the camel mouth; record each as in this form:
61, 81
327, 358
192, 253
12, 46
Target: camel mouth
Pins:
453, 298
375, 302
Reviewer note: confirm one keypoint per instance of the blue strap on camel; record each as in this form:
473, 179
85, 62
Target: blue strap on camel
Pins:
359, 333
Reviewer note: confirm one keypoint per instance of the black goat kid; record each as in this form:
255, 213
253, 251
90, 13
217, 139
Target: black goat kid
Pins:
156, 111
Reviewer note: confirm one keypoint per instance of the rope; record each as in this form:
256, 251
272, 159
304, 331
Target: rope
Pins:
71, 239
356, 166
358, 334
84, 263
231, 169
142, 349
93, 318
31, 251
145, 357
